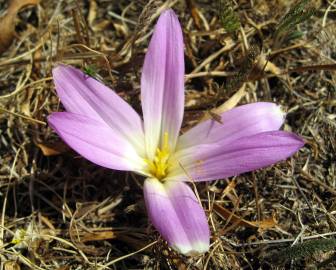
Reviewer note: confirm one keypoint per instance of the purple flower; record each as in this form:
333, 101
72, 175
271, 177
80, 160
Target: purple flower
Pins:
104, 129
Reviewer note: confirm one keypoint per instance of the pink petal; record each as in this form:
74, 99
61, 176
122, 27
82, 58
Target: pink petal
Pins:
162, 83
81, 94
177, 215
96, 141
239, 122
207, 162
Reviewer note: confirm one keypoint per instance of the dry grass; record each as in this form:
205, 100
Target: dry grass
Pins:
59, 211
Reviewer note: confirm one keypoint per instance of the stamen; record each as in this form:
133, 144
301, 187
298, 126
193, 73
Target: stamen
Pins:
159, 165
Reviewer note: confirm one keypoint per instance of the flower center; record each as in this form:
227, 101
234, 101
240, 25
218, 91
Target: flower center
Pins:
159, 165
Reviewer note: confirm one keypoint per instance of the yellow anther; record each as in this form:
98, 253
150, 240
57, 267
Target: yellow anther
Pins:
159, 165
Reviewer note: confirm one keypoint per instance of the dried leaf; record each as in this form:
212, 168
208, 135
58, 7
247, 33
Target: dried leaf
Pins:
98, 236
92, 16
7, 22
215, 117
260, 225
266, 65
121, 29
194, 13
92, 13
11, 265
265, 224
52, 149
228, 105
26, 103
66, 267
229, 188
226, 214
47, 222
100, 26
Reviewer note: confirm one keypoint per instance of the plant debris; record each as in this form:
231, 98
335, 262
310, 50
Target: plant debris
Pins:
7, 21
59, 211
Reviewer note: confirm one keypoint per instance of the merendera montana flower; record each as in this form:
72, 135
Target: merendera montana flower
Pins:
104, 129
